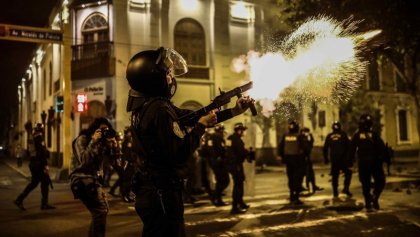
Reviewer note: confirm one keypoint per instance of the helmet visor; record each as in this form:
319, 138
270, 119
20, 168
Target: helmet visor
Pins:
174, 62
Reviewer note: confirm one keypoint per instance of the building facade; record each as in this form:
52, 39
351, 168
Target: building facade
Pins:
88, 69
85, 74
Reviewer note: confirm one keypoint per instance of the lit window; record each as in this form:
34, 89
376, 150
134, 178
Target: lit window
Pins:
189, 40
140, 4
189, 5
242, 12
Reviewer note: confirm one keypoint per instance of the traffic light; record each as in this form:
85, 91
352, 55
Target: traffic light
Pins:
59, 103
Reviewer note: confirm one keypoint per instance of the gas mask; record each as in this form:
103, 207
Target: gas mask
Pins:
173, 63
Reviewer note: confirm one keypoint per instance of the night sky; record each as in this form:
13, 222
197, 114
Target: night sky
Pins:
15, 56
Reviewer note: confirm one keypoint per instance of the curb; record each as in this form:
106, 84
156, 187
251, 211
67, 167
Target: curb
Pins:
57, 175
16, 169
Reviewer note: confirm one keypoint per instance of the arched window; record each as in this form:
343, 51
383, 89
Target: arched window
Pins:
95, 29
190, 41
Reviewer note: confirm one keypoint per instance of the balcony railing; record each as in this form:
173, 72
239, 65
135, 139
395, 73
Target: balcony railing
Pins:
92, 60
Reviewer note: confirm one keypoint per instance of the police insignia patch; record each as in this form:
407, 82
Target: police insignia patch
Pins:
177, 130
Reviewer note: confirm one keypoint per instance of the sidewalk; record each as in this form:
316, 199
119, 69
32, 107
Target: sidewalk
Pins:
26, 173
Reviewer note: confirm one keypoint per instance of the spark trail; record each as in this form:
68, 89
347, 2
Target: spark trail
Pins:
320, 61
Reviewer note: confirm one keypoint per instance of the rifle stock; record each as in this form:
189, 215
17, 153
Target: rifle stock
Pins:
220, 100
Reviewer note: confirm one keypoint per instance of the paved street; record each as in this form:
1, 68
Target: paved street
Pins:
269, 215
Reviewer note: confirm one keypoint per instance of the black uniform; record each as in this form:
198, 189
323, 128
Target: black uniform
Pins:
165, 148
369, 148
309, 169
218, 165
236, 153
129, 170
293, 148
205, 151
38, 166
336, 148
162, 144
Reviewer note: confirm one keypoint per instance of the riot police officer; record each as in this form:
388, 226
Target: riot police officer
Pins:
369, 148
292, 149
163, 144
218, 164
205, 151
125, 168
309, 169
236, 153
336, 148
38, 165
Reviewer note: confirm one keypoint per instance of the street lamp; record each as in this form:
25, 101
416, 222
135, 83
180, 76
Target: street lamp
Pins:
43, 118
51, 113
28, 128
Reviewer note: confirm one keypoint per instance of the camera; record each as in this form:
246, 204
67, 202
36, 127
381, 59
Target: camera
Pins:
108, 133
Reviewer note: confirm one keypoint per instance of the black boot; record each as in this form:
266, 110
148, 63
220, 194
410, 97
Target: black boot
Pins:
335, 192
237, 210
219, 202
375, 202
243, 205
19, 204
347, 192
47, 207
368, 204
317, 188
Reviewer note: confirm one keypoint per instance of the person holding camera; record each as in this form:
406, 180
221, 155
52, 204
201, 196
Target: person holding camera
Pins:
90, 149
162, 143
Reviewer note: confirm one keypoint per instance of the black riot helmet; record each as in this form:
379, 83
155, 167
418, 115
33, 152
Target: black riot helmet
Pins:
239, 126
39, 128
365, 122
147, 72
294, 127
219, 127
336, 126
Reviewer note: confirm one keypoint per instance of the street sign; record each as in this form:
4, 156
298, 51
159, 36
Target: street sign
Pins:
30, 34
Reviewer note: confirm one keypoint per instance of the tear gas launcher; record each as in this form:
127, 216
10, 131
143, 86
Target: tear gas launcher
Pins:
219, 101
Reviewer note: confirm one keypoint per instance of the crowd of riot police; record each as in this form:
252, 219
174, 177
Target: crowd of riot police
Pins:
365, 148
